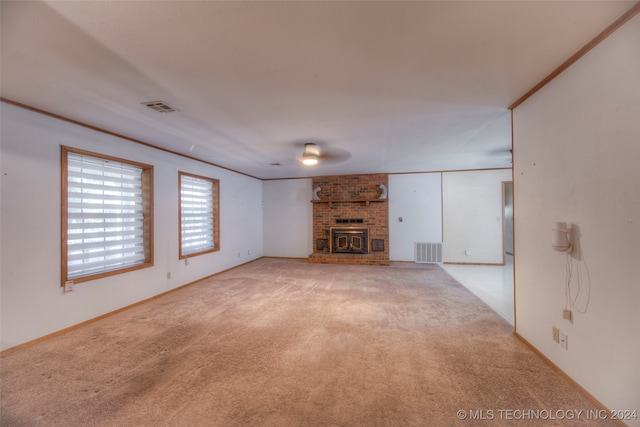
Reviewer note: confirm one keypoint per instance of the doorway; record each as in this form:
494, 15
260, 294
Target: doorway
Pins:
493, 283
507, 214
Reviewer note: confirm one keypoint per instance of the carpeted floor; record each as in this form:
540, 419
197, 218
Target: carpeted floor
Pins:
286, 343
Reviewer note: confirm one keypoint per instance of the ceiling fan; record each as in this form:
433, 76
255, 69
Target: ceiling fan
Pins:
503, 153
314, 153
311, 154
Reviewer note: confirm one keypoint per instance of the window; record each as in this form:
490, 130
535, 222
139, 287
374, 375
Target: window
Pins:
107, 221
199, 207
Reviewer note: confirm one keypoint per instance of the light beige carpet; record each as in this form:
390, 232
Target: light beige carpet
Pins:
287, 343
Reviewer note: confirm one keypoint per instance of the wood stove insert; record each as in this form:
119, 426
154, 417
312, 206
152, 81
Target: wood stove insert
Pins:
349, 240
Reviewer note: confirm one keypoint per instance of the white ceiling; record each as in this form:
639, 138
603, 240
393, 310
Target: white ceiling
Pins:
388, 86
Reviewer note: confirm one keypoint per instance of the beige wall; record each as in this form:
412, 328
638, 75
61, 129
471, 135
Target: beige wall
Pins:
577, 159
287, 215
472, 216
33, 303
417, 199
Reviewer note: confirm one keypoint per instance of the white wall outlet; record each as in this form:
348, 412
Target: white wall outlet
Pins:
556, 334
567, 315
564, 341
168, 275
68, 286
238, 254
248, 251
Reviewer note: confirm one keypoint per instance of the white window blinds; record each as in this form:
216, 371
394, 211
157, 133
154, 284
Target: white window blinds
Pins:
105, 216
196, 215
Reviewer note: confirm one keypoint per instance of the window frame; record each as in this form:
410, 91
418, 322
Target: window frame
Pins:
215, 200
147, 204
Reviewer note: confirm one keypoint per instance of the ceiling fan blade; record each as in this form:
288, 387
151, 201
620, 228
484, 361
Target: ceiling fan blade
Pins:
334, 155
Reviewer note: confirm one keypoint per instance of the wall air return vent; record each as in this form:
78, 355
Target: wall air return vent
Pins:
428, 252
160, 106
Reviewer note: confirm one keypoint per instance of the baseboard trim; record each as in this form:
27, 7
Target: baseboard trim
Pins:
111, 313
475, 263
566, 377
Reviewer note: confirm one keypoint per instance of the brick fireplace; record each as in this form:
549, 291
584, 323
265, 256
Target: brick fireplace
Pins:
351, 220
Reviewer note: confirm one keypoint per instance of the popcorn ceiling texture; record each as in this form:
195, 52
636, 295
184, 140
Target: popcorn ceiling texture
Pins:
280, 342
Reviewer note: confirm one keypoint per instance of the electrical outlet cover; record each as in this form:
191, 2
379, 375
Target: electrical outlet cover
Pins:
564, 341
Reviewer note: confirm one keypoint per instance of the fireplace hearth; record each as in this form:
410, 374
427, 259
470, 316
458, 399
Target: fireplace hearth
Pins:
349, 240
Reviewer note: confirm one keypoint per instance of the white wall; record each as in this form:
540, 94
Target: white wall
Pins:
417, 198
288, 218
33, 303
472, 216
577, 159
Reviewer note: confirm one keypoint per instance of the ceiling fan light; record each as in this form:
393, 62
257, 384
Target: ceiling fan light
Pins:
309, 160
311, 154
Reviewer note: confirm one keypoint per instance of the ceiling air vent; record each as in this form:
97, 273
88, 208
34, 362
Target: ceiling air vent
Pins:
160, 106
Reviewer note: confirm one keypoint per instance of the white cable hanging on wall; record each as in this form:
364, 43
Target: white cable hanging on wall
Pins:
565, 238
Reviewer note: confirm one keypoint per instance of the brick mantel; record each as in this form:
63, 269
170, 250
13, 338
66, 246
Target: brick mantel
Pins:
348, 197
